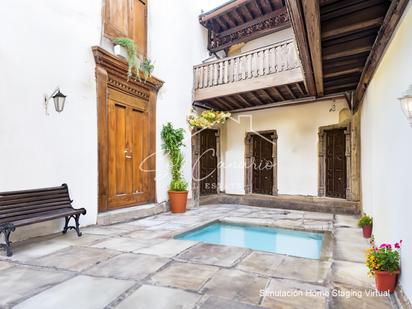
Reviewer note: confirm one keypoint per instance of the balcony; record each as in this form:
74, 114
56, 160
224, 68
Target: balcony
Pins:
268, 75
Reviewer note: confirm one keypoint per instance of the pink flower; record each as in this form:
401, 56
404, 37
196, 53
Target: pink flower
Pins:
397, 246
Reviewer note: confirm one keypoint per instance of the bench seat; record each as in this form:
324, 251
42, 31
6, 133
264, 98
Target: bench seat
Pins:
20, 208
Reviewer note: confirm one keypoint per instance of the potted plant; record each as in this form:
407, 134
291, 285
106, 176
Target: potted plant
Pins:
366, 223
172, 144
134, 63
384, 263
207, 119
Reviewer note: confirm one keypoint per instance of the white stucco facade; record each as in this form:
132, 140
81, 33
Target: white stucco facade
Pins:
387, 148
50, 46
297, 129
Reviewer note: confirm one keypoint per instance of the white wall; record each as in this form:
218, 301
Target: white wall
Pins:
297, 128
177, 42
46, 44
275, 37
386, 140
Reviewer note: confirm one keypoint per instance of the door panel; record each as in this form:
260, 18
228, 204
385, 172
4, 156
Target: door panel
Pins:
117, 18
208, 162
336, 163
139, 25
128, 181
262, 170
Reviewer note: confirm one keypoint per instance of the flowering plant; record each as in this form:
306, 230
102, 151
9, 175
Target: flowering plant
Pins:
365, 220
386, 257
207, 119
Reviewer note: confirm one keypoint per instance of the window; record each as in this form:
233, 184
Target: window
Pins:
127, 18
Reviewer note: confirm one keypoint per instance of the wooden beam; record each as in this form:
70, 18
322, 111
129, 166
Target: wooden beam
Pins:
290, 92
267, 8
229, 20
348, 49
267, 94
342, 31
278, 93
300, 89
255, 97
297, 20
223, 103
312, 20
231, 101
243, 100
385, 34
348, 7
258, 8
221, 10
240, 20
221, 23
343, 71
244, 10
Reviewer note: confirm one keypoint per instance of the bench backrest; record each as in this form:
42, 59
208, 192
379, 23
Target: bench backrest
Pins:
19, 205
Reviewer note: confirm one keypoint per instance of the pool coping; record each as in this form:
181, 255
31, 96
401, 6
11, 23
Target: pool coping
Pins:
326, 252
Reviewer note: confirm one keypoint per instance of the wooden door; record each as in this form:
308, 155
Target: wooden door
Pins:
208, 162
262, 169
127, 131
336, 163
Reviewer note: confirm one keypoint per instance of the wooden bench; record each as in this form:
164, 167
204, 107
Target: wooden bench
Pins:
19, 208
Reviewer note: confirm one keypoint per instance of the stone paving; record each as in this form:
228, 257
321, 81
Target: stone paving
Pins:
138, 264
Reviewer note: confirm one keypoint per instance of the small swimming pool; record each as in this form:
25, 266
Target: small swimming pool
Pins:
276, 240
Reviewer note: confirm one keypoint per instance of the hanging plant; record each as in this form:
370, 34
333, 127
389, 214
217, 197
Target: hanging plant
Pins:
146, 66
207, 119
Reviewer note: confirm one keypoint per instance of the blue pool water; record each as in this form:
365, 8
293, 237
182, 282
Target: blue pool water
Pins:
290, 242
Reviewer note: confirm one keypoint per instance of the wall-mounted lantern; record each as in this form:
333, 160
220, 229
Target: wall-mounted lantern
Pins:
58, 98
406, 103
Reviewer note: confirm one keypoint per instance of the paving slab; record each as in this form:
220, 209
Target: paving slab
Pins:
124, 244
4, 265
213, 255
128, 266
288, 267
155, 297
346, 221
351, 273
26, 250
184, 276
167, 248
237, 285
145, 234
109, 230
79, 292
213, 302
75, 258
261, 263
292, 294
21, 282
350, 245
349, 298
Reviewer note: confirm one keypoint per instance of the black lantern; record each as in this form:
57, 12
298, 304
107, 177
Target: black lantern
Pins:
59, 100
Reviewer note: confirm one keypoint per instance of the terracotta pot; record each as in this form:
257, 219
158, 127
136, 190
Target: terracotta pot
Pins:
178, 201
367, 231
386, 281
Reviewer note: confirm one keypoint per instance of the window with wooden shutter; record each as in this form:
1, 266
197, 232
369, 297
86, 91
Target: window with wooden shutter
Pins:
127, 18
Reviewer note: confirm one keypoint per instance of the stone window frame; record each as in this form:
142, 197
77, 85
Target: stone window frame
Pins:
322, 157
248, 160
195, 160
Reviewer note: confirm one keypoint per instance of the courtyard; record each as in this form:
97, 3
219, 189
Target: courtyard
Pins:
138, 264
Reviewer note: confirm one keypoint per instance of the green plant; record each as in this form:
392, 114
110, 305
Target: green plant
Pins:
172, 144
365, 220
207, 119
133, 60
147, 68
383, 258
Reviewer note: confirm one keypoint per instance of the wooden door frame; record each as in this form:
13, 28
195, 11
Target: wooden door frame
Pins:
248, 160
346, 126
111, 73
196, 162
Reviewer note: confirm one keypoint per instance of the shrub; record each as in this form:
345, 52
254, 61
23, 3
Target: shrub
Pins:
365, 220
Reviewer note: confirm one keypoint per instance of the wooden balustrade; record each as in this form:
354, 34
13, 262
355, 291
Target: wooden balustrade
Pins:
258, 63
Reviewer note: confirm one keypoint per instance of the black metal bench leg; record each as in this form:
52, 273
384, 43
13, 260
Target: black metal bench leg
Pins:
76, 227
6, 229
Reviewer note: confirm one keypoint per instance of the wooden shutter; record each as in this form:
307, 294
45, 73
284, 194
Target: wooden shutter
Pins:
116, 18
138, 25
127, 18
